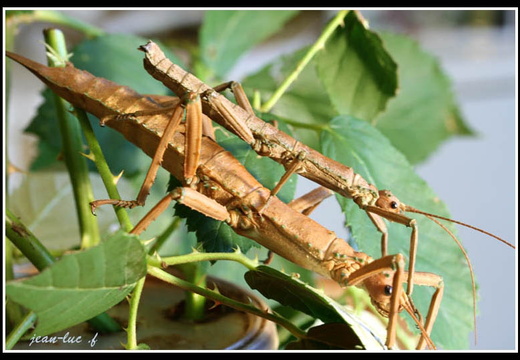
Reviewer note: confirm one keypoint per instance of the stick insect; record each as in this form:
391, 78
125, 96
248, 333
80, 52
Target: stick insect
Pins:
223, 189
296, 157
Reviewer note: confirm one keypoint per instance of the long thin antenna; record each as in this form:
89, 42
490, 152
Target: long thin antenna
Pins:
414, 210
432, 218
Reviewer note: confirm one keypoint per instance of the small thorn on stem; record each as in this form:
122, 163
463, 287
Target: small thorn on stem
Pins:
270, 256
93, 208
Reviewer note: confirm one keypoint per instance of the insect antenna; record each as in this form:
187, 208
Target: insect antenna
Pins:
472, 274
431, 216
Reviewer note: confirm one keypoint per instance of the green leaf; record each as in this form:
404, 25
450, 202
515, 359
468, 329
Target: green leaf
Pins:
306, 102
116, 58
353, 74
212, 235
227, 34
48, 213
356, 144
292, 292
83, 285
357, 75
334, 336
45, 126
357, 72
425, 112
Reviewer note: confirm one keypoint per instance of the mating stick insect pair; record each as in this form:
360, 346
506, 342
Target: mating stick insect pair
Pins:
217, 185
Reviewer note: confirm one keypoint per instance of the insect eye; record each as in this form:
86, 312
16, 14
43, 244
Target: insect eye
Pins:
388, 290
394, 205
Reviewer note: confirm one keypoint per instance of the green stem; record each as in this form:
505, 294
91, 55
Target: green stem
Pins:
194, 303
59, 18
54, 17
26, 242
317, 46
132, 315
217, 297
200, 256
16, 334
122, 215
14, 312
102, 166
72, 147
317, 127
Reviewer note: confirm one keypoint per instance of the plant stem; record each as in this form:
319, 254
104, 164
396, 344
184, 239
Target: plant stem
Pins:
195, 303
132, 315
54, 17
14, 312
317, 127
215, 296
26, 242
59, 18
200, 256
72, 147
317, 46
102, 166
16, 334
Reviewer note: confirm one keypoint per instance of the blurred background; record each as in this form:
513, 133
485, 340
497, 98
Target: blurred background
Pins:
475, 176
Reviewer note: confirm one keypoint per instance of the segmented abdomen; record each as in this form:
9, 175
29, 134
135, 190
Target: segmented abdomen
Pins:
103, 98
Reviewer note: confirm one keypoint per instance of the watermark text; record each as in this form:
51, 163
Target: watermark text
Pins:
65, 339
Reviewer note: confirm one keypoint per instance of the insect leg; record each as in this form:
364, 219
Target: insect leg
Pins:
196, 125
193, 136
404, 220
227, 113
306, 204
293, 167
152, 171
435, 281
387, 264
188, 197
381, 227
239, 94
383, 279
169, 102
207, 127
